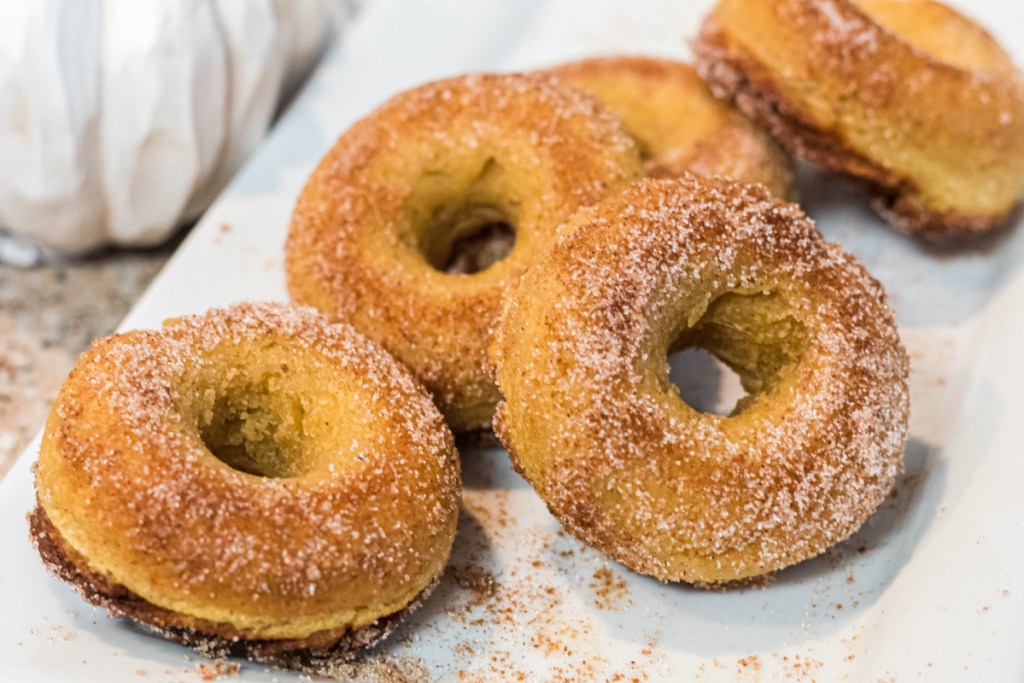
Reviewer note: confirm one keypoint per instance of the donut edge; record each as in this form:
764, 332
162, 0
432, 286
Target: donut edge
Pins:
731, 75
318, 654
775, 164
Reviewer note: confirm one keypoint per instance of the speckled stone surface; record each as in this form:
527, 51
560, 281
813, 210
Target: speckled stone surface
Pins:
49, 314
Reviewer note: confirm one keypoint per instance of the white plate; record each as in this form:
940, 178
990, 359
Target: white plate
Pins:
932, 587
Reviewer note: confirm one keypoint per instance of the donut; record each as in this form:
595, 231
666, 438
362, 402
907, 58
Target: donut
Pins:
678, 124
373, 232
592, 421
254, 481
908, 95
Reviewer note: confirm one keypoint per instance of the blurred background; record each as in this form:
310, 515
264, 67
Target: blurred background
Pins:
120, 121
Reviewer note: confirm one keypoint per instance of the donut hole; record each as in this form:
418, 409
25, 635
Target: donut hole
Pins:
461, 217
643, 148
469, 239
254, 427
704, 382
739, 349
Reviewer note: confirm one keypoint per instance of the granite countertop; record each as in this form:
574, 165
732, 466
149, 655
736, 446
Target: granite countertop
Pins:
49, 314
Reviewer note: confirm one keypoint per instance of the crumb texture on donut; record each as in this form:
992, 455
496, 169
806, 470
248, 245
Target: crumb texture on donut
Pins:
679, 124
256, 468
594, 424
385, 207
908, 95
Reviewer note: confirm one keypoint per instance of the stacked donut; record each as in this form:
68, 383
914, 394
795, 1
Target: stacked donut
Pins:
525, 251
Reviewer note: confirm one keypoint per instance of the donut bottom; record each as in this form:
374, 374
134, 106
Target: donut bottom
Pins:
317, 654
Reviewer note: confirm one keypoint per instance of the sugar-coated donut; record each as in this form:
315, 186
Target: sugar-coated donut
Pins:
253, 481
679, 124
907, 94
591, 419
374, 228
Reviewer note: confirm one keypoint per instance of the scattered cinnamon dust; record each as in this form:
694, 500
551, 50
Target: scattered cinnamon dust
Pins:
611, 591
218, 668
748, 664
478, 580
800, 668
382, 668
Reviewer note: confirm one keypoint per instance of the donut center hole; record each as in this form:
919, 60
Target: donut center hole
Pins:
704, 382
740, 348
469, 239
256, 430
643, 147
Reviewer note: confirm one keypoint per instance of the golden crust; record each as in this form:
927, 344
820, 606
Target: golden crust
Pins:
679, 124
316, 654
591, 420
911, 97
356, 521
400, 186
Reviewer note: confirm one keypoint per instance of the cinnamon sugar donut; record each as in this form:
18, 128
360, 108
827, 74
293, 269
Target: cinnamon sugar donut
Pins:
253, 481
374, 229
679, 125
591, 419
909, 95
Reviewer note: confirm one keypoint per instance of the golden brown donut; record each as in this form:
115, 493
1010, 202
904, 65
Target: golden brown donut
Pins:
678, 124
253, 481
375, 226
907, 94
591, 419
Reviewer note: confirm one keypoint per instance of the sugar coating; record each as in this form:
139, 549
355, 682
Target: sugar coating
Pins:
592, 422
129, 483
520, 145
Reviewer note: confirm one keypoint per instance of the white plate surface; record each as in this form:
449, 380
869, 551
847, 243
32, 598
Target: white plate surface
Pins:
931, 589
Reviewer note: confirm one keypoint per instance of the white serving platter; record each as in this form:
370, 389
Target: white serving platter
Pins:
932, 588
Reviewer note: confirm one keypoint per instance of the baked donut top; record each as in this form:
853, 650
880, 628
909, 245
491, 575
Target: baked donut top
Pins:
256, 466
145, 364
387, 161
374, 226
806, 456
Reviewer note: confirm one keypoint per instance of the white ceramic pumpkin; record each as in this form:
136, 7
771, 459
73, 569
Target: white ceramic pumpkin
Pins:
120, 119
